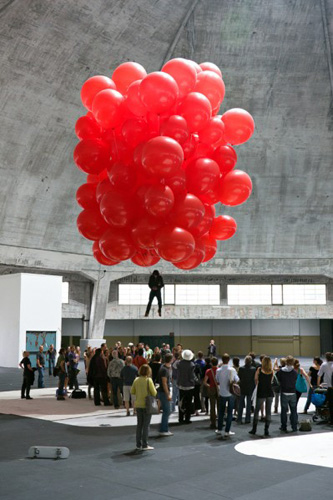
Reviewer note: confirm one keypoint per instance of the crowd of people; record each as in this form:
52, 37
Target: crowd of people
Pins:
220, 388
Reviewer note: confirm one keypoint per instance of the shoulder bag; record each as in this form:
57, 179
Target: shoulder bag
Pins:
300, 383
234, 388
151, 402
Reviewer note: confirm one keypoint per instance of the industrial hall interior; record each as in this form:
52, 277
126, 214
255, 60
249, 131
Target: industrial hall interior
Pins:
166, 266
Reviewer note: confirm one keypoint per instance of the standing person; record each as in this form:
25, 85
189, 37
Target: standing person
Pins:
155, 366
149, 353
199, 376
155, 284
40, 360
139, 360
175, 390
212, 349
326, 372
113, 372
51, 355
263, 380
287, 377
61, 365
302, 372
28, 372
128, 374
186, 383
97, 377
164, 394
255, 363
313, 374
276, 388
213, 390
141, 388
88, 354
72, 368
246, 375
224, 377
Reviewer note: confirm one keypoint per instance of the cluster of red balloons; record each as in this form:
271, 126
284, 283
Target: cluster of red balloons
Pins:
158, 157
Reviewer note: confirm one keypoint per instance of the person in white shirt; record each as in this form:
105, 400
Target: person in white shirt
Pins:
224, 377
326, 370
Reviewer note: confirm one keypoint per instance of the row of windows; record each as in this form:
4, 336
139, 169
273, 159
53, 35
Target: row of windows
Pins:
182, 294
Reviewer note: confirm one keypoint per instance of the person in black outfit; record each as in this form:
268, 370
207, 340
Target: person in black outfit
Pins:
155, 284
247, 384
97, 377
28, 374
212, 349
263, 379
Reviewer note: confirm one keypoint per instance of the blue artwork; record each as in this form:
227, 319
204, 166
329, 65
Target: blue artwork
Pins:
36, 339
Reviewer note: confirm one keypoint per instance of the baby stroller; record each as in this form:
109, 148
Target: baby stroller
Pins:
319, 399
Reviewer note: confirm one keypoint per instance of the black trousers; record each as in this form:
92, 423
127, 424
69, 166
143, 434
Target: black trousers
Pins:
152, 295
100, 386
330, 403
186, 405
25, 390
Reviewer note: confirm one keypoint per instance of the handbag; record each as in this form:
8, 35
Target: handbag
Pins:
234, 388
151, 403
300, 383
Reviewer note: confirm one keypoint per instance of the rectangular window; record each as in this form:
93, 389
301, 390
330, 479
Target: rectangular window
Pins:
277, 295
304, 294
250, 295
197, 294
65, 292
133, 295
169, 294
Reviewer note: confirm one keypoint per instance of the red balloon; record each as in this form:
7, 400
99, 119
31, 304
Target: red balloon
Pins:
117, 244
184, 74
101, 257
91, 156
210, 247
117, 209
235, 189
206, 222
91, 224
188, 213
122, 177
92, 87
103, 187
133, 100
195, 66
226, 158
144, 231
145, 258
127, 73
135, 131
239, 125
189, 147
213, 133
176, 128
107, 108
202, 175
211, 86
86, 196
95, 179
86, 127
195, 259
158, 92
162, 156
223, 227
209, 66
202, 150
197, 111
159, 200
211, 196
178, 183
174, 243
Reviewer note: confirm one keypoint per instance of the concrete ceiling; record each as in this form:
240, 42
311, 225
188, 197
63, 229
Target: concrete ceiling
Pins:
274, 55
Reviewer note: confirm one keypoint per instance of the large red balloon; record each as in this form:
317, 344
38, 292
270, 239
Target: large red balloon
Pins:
86, 127
211, 86
195, 259
158, 92
178, 184
184, 74
95, 179
226, 158
195, 66
135, 131
91, 224
235, 189
91, 156
176, 128
213, 133
133, 101
239, 125
92, 87
127, 73
86, 196
122, 177
223, 227
145, 258
197, 111
101, 257
159, 200
209, 66
174, 243
103, 187
107, 108
162, 156
210, 247
202, 175
117, 244
188, 212
206, 222
144, 231
117, 209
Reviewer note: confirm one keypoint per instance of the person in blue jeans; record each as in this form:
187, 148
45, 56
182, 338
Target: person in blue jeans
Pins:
224, 377
164, 395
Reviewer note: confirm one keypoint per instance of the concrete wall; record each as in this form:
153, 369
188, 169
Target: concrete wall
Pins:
10, 348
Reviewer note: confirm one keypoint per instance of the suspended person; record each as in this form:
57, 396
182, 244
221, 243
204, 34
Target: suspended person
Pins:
155, 284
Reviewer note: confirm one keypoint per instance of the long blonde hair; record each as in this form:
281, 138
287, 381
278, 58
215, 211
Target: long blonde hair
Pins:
266, 365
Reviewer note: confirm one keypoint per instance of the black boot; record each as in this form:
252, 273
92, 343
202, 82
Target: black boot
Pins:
254, 429
266, 432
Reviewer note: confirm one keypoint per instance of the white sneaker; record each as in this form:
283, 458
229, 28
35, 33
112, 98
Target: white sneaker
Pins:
227, 434
168, 433
218, 432
148, 448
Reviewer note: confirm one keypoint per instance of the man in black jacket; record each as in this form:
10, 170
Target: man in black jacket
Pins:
246, 375
186, 384
287, 377
155, 284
